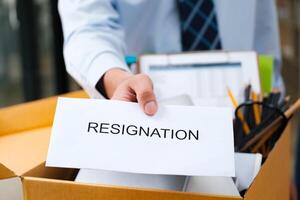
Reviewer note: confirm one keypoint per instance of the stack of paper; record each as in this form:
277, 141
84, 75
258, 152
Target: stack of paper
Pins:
122, 156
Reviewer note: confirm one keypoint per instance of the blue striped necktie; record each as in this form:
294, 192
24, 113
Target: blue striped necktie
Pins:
199, 26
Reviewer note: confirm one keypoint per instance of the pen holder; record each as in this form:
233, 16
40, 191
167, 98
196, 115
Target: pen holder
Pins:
265, 128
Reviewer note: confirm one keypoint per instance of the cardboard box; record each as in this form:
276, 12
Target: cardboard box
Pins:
24, 137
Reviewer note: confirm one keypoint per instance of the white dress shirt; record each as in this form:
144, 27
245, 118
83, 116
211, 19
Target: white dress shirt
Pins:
99, 33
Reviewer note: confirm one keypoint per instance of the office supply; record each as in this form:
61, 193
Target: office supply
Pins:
212, 185
11, 189
256, 110
125, 179
266, 117
163, 182
247, 111
232, 98
247, 92
266, 73
202, 75
284, 104
272, 126
247, 166
292, 109
127, 140
240, 114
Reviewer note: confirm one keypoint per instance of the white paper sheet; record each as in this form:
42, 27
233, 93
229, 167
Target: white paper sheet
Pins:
247, 166
154, 181
205, 76
215, 185
204, 83
11, 189
211, 153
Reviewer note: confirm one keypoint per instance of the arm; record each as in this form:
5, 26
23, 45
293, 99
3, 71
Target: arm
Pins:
94, 50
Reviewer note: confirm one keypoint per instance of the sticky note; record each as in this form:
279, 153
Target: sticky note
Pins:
266, 73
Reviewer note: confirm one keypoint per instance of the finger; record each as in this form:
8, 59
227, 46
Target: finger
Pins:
124, 94
143, 87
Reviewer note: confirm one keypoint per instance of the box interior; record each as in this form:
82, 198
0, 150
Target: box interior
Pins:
32, 160
30, 146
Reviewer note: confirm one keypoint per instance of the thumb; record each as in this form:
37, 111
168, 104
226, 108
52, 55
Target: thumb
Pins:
149, 104
144, 94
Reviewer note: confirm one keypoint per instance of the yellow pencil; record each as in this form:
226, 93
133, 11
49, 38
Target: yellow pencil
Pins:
255, 108
239, 113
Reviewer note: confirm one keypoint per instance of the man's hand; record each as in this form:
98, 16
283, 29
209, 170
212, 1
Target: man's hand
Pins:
124, 86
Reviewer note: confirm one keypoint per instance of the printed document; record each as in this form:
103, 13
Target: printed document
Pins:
118, 136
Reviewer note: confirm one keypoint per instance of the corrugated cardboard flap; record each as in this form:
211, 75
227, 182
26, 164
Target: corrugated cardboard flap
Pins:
31, 115
273, 180
49, 189
5, 172
24, 135
23, 151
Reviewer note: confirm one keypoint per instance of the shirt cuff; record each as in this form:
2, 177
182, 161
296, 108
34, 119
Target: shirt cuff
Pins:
99, 66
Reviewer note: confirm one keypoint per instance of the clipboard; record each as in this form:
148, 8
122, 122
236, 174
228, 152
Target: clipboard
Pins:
202, 75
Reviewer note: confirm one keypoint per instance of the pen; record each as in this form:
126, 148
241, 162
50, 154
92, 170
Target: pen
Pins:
284, 104
249, 116
276, 97
247, 92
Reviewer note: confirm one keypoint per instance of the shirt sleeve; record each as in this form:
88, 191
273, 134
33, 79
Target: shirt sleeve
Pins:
93, 40
266, 37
